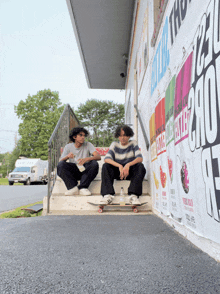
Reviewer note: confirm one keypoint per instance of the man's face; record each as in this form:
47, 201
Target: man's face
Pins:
80, 138
123, 138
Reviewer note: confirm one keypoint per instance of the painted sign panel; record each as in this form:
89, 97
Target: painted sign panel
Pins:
174, 200
160, 127
143, 51
181, 113
161, 59
153, 148
161, 163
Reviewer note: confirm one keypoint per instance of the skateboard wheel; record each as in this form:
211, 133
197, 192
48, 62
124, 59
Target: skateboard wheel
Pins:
100, 210
135, 210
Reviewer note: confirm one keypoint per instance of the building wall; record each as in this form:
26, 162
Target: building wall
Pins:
178, 92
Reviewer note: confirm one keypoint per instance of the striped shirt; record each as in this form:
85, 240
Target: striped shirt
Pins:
123, 154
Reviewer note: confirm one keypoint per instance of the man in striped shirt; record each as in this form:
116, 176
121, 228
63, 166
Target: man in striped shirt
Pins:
123, 162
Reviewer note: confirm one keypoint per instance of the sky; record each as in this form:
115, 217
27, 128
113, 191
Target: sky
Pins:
38, 51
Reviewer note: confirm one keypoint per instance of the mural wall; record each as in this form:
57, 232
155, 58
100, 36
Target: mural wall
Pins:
181, 105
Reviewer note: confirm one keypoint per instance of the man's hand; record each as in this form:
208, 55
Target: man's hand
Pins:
71, 155
81, 161
126, 171
121, 172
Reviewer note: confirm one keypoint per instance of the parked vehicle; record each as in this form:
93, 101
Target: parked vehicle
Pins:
29, 170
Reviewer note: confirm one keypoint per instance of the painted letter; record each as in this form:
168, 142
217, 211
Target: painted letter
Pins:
211, 125
200, 58
191, 106
211, 204
199, 110
183, 7
216, 27
209, 34
176, 17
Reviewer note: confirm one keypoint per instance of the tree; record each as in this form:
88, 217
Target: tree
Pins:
13, 157
100, 118
7, 161
40, 114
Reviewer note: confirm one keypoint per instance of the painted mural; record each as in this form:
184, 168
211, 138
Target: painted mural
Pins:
184, 125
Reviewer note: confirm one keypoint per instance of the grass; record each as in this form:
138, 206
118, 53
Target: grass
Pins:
17, 212
4, 182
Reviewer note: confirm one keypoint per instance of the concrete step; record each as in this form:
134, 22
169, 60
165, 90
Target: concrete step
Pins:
80, 203
61, 204
95, 187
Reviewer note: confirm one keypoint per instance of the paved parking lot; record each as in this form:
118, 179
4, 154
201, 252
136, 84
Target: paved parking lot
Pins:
101, 254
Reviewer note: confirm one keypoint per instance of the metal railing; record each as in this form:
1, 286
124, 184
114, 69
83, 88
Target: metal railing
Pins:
58, 140
142, 126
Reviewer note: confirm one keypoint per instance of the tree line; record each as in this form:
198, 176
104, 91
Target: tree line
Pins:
40, 113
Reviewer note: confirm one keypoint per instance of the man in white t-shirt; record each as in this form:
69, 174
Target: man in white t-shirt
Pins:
82, 165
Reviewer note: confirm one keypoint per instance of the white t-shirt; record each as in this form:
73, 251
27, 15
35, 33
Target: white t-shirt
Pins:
86, 150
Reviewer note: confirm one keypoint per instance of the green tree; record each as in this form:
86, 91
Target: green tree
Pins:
3, 164
40, 114
100, 118
13, 157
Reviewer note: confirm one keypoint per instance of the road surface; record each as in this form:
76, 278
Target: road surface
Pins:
14, 196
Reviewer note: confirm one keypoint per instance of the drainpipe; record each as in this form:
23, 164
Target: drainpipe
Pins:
135, 103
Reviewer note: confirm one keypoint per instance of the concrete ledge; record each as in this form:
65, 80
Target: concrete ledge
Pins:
95, 187
210, 247
79, 203
89, 212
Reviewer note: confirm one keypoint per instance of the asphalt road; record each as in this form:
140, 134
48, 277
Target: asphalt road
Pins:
14, 196
101, 254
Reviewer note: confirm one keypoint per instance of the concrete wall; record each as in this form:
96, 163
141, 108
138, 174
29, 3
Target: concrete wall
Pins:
178, 90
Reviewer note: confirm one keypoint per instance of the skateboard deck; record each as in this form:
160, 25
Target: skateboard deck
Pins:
133, 206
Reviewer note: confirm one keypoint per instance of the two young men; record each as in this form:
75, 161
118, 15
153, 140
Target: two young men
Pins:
123, 161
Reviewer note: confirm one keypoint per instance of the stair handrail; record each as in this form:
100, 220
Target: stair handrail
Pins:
142, 126
58, 139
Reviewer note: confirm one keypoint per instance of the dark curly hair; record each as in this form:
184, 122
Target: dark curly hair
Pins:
128, 131
75, 131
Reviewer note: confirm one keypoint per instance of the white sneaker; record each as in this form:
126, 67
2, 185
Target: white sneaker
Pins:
133, 199
73, 191
107, 199
84, 192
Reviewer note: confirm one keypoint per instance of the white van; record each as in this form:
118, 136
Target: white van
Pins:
29, 170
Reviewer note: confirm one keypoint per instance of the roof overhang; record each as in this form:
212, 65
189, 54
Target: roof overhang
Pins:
103, 30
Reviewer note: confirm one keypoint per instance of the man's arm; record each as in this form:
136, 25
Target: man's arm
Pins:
135, 161
66, 154
112, 162
127, 166
96, 156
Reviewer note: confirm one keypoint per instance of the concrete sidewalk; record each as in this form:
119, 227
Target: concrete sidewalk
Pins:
101, 254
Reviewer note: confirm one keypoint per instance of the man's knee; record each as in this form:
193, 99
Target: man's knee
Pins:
141, 168
60, 166
106, 166
94, 165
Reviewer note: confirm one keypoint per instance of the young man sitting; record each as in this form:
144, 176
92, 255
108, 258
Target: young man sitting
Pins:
123, 162
79, 154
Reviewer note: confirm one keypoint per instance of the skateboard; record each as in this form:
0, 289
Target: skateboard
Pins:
133, 206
